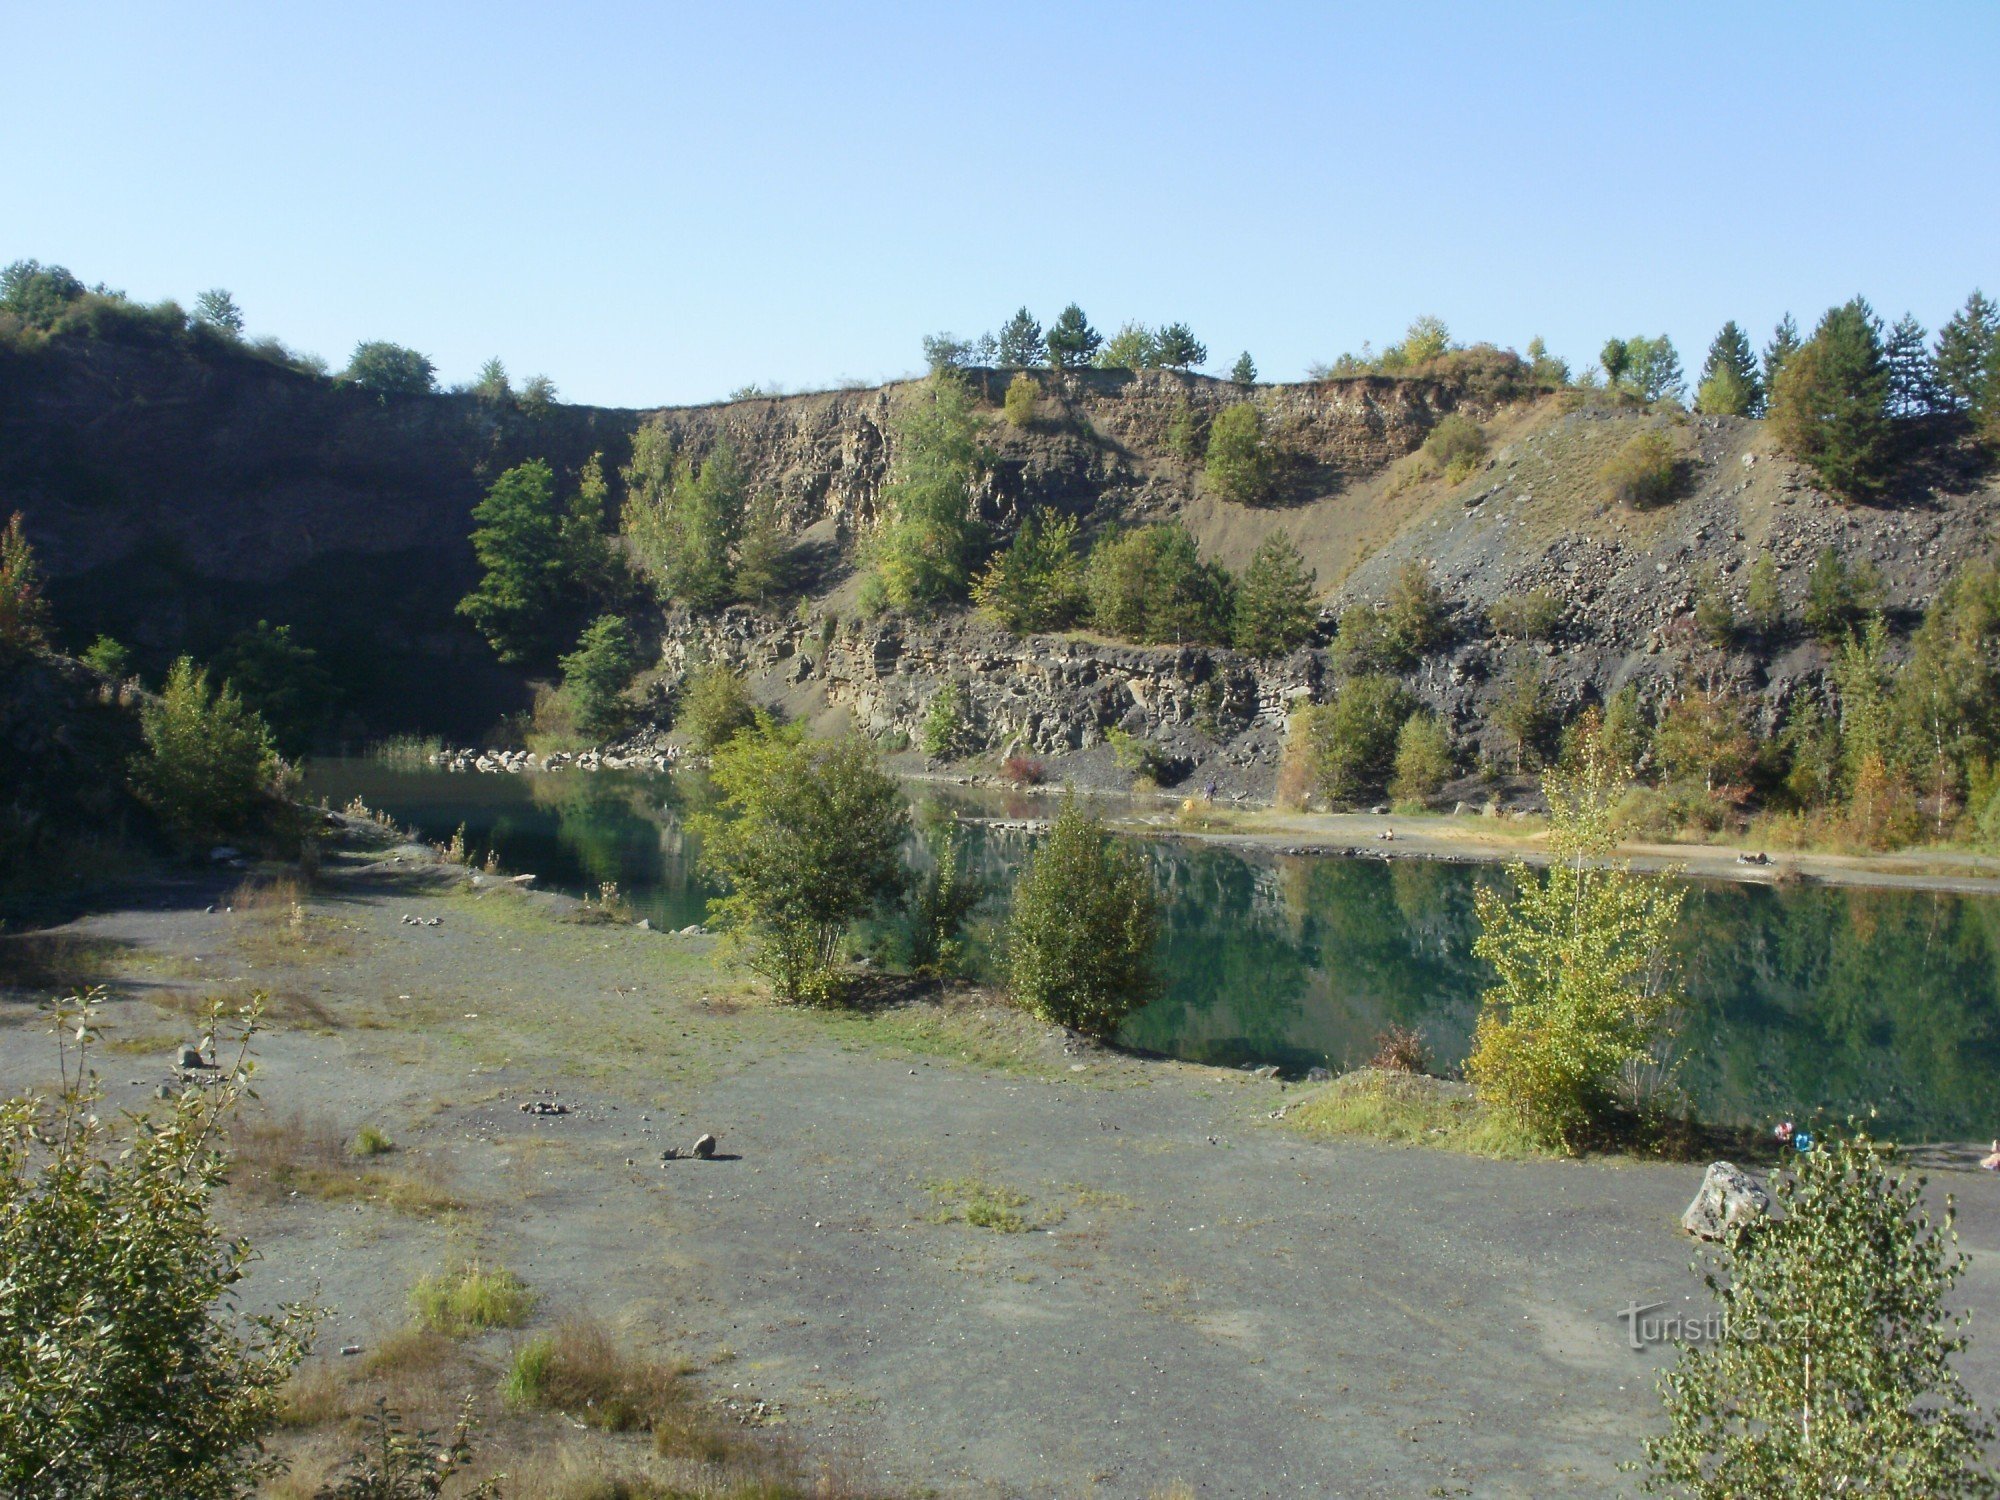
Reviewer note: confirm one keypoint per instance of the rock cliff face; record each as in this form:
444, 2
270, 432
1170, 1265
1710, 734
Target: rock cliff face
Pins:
176, 498
1037, 696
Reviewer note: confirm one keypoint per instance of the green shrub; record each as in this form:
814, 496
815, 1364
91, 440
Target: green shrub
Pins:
371, 1140
1525, 710
1085, 923
1456, 446
1348, 745
1185, 438
596, 673
108, 658
471, 1299
125, 1370
684, 519
943, 728
23, 610
1532, 616
208, 769
929, 536
1414, 620
1423, 758
579, 1371
1137, 756
1646, 472
1037, 581
806, 840
714, 707
1581, 955
1241, 465
1833, 1371
1023, 395
1840, 595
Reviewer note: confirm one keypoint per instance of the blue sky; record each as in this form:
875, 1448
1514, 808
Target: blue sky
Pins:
657, 203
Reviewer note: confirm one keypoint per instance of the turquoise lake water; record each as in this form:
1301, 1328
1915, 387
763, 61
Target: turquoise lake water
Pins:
1799, 999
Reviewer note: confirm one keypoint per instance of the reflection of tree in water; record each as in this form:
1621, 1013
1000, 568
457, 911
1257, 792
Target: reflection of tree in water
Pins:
627, 829
1846, 1000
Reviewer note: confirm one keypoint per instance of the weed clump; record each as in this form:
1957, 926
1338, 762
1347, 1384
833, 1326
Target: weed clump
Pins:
470, 1299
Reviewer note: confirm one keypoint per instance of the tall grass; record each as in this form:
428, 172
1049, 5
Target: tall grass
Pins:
470, 1298
407, 752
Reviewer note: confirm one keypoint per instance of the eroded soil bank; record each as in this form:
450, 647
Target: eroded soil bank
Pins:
1175, 1288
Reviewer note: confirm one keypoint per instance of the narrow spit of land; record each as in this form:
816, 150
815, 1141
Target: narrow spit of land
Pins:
984, 1258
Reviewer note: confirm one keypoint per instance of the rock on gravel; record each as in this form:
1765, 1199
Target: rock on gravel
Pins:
1728, 1196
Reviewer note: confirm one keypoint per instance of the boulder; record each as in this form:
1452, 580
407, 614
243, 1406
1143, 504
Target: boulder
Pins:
1728, 1197
704, 1147
191, 1057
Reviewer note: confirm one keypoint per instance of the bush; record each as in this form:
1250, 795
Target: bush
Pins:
929, 535
1241, 466
125, 1370
1532, 616
1523, 709
1581, 956
1037, 581
1413, 621
1840, 595
23, 610
1401, 1049
1020, 770
108, 658
807, 839
579, 1371
1349, 745
714, 707
1023, 394
1136, 756
1832, 1374
208, 768
1456, 446
1423, 758
684, 519
595, 675
471, 1299
943, 727
1085, 923
542, 563
1646, 472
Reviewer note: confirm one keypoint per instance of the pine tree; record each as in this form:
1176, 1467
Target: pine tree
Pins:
1912, 379
1020, 345
1730, 385
1071, 341
1244, 371
1274, 599
1830, 405
1784, 344
1965, 349
1176, 348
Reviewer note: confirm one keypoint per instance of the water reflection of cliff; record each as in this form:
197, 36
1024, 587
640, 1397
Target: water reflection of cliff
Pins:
1800, 998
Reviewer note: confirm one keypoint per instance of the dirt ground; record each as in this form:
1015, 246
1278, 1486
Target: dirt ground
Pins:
942, 1245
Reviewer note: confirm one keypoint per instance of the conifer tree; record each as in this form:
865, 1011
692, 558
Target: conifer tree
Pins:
1244, 371
1072, 343
1020, 345
1912, 378
1176, 348
1784, 344
1965, 349
1274, 599
1830, 405
1730, 385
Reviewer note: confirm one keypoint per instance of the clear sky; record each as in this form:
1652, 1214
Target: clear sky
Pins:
658, 203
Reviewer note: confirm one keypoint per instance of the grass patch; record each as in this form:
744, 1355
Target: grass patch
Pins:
469, 1299
275, 1156
978, 1203
1406, 1110
579, 1371
313, 1397
369, 1141
956, 1028
412, 1351
57, 961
